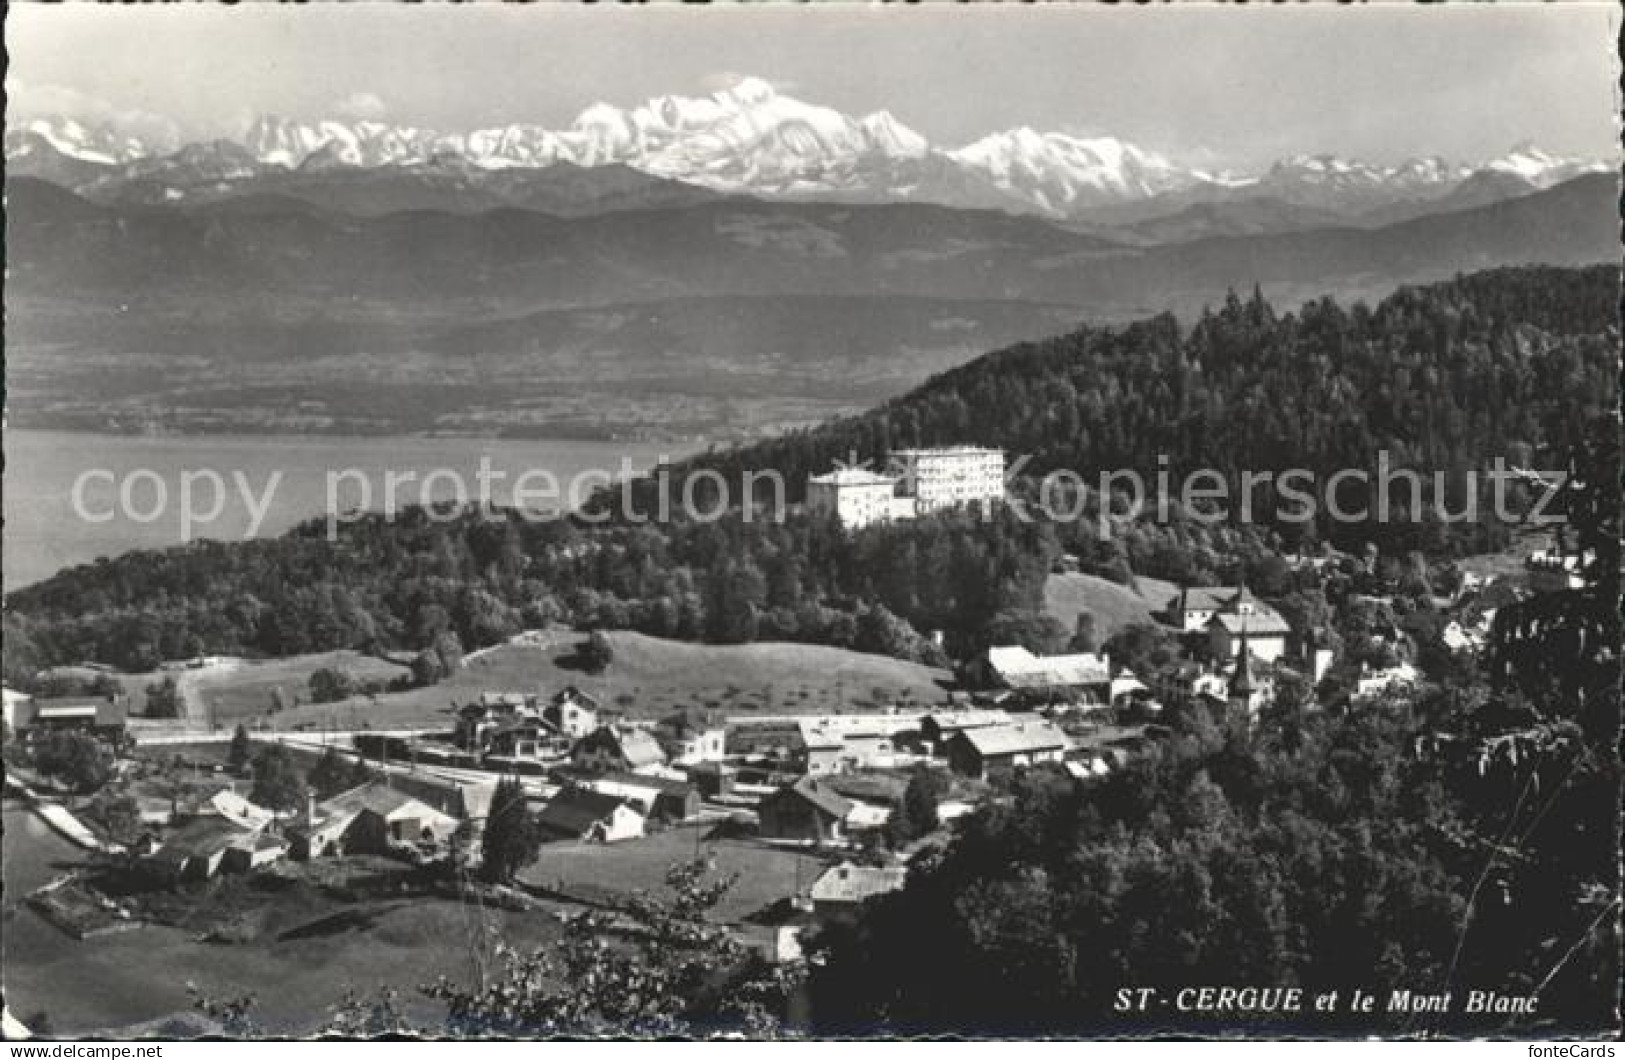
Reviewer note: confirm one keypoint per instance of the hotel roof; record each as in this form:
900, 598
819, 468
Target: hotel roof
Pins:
852, 476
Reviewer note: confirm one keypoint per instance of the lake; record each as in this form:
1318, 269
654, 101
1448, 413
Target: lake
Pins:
156, 492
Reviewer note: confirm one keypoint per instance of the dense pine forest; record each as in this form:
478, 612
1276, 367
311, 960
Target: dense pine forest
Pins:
1461, 840
1443, 378
1447, 377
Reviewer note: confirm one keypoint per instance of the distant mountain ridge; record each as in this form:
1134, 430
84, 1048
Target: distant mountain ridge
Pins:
721, 313
751, 139
62, 242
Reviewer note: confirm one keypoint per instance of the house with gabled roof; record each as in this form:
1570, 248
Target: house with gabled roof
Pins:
842, 890
809, 810
103, 716
374, 818
999, 749
608, 748
580, 814
653, 796
573, 712
691, 736
1231, 615
197, 849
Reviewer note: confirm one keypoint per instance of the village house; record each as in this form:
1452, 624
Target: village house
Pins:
999, 749
105, 717
1229, 614
576, 813
938, 728
469, 802
688, 737
493, 711
530, 739
822, 752
371, 819
251, 851
610, 748
840, 892
1261, 636
808, 810
573, 712
196, 850
658, 798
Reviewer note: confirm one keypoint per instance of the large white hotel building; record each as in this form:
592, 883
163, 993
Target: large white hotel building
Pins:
917, 481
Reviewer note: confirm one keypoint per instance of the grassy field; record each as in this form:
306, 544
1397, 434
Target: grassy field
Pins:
229, 694
766, 874
123, 979
651, 677
1114, 606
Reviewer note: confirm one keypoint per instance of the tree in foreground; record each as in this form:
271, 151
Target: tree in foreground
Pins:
654, 969
657, 969
511, 841
278, 784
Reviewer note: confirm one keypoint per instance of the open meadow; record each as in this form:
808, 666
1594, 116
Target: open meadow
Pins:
1114, 606
649, 678
612, 872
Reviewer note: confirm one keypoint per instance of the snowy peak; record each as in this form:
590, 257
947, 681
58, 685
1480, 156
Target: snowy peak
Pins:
1061, 171
1539, 168
102, 145
752, 138
747, 137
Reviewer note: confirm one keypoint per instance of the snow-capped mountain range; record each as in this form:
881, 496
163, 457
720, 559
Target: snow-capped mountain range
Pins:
751, 139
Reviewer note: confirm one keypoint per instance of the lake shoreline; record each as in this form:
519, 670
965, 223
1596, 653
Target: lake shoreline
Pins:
72, 498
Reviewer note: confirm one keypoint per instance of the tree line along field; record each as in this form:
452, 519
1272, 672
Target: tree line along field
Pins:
1443, 378
648, 678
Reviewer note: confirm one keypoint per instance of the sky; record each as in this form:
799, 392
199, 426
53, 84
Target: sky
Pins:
1227, 86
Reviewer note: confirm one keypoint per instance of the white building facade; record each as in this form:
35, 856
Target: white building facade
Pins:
950, 477
858, 498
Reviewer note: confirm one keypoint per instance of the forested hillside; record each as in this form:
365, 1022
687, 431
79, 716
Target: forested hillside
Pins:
1443, 377
1462, 839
